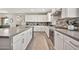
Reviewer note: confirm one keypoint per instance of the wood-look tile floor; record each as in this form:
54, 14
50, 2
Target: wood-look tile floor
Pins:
39, 42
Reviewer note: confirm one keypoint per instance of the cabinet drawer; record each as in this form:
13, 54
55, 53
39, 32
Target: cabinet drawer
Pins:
72, 42
67, 46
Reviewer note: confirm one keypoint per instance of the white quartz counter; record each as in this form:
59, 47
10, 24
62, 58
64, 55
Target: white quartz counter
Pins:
7, 32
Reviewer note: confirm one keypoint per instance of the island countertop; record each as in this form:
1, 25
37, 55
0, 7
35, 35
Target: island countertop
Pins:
72, 34
7, 32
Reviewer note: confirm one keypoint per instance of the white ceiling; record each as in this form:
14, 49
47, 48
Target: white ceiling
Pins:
24, 10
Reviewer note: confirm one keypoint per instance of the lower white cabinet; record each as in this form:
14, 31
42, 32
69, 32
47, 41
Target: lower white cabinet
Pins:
42, 29
21, 41
67, 46
58, 41
18, 41
27, 38
39, 28
18, 45
72, 43
59, 44
64, 42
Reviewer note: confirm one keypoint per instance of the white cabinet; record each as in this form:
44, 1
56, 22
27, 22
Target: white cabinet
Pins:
18, 45
58, 44
58, 41
39, 28
27, 38
64, 12
71, 42
42, 29
64, 42
55, 9
49, 17
18, 41
21, 41
36, 18
67, 46
70, 12
54, 19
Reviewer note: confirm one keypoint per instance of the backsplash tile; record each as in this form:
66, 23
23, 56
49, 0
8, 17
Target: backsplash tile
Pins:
63, 22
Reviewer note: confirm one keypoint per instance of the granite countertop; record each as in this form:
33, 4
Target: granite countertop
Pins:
7, 32
72, 34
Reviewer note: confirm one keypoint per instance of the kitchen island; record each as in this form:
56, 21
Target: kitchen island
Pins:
15, 38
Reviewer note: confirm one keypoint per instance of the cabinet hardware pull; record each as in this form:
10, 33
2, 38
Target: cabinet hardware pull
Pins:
74, 44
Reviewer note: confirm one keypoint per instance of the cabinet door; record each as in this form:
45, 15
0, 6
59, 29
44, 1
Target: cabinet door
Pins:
72, 42
36, 28
18, 41
58, 41
27, 38
49, 17
67, 46
59, 44
18, 45
72, 12
64, 12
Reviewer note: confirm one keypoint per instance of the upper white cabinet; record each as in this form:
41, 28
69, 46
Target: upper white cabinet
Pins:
55, 9
70, 12
49, 17
36, 18
64, 12
53, 20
